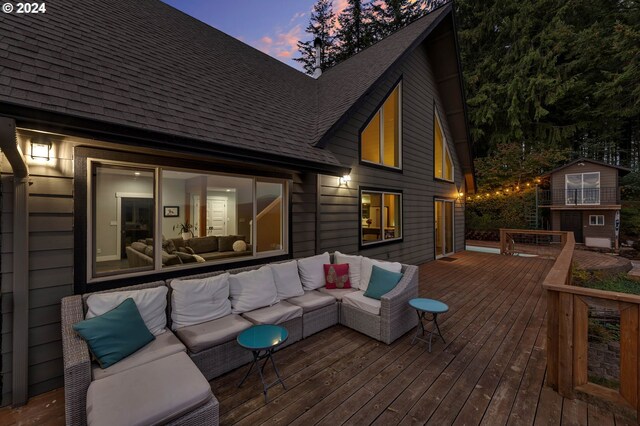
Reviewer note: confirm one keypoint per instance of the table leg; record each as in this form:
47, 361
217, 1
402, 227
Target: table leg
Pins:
418, 330
266, 356
254, 362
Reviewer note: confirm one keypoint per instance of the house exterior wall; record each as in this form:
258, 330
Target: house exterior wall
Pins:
51, 256
50, 269
338, 211
590, 231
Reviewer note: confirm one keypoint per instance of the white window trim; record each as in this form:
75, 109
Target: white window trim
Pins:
157, 267
445, 150
566, 189
380, 112
594, 219
383, 240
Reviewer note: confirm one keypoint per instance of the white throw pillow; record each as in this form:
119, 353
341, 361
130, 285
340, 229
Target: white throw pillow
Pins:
355, 265
367, 267
200, 300
287, 280
151, 302
252, 290
312, 270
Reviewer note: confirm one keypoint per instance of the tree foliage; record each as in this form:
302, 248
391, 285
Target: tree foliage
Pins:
552, 76
322, 25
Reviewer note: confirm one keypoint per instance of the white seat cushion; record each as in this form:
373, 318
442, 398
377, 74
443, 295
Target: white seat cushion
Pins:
276, 314
312, 300
367, 268
312, 271
287, 279
164, 345
337, 293
151, 302
199, 300
359, 300
154, 393
355, 264
211, 333
252, 290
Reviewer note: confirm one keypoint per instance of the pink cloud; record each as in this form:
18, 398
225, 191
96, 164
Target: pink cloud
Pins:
282, 44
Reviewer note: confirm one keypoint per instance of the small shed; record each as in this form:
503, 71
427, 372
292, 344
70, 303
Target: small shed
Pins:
584, 197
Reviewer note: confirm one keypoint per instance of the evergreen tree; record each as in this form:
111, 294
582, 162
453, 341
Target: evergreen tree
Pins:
355, 32
391, 15
322, 26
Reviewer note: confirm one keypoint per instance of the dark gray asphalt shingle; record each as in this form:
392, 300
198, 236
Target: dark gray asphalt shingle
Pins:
144, 64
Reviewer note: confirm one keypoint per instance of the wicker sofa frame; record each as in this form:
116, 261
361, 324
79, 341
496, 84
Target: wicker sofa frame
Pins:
395, 319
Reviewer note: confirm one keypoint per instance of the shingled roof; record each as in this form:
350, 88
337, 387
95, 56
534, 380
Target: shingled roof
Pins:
149, 66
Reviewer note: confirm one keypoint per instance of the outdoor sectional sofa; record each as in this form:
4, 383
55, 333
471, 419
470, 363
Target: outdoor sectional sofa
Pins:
179, 393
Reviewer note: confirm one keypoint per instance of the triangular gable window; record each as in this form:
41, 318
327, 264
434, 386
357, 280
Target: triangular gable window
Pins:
443, 164
381, 139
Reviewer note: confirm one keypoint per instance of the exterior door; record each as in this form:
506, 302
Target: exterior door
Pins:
443, 228
216, 216
572, 221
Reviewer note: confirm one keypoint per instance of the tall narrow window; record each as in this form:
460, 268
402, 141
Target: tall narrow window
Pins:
381, 216
443, 165
381, 140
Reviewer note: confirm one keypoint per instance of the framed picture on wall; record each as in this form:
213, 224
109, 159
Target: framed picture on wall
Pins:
171, 211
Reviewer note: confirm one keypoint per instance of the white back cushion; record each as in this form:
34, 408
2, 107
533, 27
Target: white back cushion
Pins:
252, 290
200, 300
151, 302
287, 279
355, 264
312, 270
367, 267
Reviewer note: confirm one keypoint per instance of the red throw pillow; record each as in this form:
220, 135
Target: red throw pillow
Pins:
337, 276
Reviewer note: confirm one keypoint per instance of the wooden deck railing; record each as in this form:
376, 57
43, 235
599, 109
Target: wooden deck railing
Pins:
567, 329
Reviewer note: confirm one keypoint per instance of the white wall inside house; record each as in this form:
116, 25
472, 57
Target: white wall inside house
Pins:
232, 221
106, 211
173, 194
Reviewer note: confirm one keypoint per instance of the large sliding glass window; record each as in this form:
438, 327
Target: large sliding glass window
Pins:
381, 216
443, 165
193, 218
381, 139
582, 188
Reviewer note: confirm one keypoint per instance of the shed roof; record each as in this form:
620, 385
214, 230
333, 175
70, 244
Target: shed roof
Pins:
621, 170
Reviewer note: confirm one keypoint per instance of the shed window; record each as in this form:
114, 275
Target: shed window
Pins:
596, 220
582, 188
381, 139
381, 216
443, 165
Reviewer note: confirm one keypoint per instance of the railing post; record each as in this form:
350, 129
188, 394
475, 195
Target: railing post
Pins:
629, 334
580, 341
565, 345
552, 338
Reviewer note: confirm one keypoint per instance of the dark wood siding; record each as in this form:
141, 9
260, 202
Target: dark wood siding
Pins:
50, 271
339, 221
303, 215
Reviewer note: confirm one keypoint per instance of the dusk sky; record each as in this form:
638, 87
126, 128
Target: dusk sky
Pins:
274, 27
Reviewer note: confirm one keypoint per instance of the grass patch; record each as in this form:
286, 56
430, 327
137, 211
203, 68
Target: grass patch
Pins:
602, 381
620, 283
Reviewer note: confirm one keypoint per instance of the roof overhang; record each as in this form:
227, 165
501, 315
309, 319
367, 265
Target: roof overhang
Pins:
621, 170
38, 119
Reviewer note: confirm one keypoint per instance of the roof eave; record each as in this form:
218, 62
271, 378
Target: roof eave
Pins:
39, 119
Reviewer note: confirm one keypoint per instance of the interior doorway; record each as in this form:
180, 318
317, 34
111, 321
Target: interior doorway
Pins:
136, 221
216, 216
443, 228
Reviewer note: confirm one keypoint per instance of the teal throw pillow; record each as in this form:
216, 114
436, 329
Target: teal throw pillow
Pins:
116, 334
381, 282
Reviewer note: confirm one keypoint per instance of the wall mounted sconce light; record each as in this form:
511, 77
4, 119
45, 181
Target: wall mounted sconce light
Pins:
40, 149
345, 179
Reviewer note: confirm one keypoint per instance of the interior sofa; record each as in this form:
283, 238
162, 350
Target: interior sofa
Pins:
297, 300
212, 247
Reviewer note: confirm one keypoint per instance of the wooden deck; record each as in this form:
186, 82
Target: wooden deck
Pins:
490, 371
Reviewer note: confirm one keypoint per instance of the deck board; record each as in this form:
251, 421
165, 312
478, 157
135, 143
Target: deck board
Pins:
490, 371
